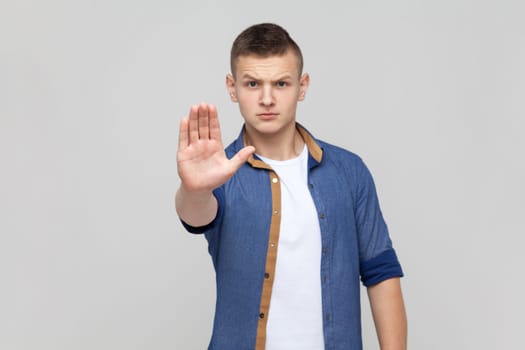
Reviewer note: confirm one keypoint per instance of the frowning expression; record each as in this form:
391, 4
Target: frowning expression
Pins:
267, 90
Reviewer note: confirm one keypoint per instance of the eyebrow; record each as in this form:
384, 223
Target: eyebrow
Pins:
247, 76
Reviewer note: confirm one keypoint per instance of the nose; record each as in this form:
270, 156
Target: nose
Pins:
267, 95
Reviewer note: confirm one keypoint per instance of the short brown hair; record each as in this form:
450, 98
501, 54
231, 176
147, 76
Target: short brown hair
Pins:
264, 40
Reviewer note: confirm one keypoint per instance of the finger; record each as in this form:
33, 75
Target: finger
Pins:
215, 129
204, 120
241, 157
183, 133
193, 131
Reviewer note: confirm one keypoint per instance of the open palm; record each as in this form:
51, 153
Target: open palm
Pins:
201, 160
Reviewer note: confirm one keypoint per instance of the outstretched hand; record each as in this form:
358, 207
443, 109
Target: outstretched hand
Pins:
201, 160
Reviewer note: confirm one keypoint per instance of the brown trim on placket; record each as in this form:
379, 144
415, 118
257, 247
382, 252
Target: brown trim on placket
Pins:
271, 259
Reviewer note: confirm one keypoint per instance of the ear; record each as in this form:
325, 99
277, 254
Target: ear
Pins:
230, 85
304, 82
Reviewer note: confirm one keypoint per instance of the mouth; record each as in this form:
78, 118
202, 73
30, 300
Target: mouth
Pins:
267, 115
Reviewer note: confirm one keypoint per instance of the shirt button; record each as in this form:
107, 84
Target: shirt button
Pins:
266, 275
328, 317
325, 278
272, 245
261, 315
325, 250
321, 216
275, 212
275, 180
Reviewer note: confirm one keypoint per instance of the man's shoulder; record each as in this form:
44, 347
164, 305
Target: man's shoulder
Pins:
339, 155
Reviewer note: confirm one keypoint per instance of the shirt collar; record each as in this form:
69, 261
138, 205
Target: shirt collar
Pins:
315, 152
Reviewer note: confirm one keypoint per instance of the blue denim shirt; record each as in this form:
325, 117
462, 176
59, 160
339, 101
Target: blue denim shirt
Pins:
243, 243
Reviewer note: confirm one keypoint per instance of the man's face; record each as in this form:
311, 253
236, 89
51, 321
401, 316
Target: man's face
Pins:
267, 90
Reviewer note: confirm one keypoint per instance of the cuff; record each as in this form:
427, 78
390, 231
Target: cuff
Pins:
380, 268
197, 229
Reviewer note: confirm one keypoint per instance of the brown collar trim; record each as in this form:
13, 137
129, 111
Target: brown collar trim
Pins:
315, 151
313, 148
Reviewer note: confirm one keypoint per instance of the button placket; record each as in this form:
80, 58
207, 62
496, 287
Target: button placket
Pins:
271, 256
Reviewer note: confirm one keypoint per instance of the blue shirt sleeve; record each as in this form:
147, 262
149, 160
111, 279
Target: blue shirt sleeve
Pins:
378, 260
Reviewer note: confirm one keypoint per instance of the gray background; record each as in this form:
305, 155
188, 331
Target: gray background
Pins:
92, 256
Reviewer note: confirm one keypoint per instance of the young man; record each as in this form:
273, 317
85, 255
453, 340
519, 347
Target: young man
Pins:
292, 222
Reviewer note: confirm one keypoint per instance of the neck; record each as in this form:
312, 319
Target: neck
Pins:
285, 145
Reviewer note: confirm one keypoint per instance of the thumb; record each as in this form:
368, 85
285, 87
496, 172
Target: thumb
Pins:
241, 157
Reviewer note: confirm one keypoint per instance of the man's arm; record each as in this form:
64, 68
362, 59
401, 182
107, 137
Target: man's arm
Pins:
388, 310
195, 209
202, 165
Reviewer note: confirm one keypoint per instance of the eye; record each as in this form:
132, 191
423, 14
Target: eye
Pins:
252, 84
282, 84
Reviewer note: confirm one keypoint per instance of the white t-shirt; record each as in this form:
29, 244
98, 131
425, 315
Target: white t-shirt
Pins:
295, 317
